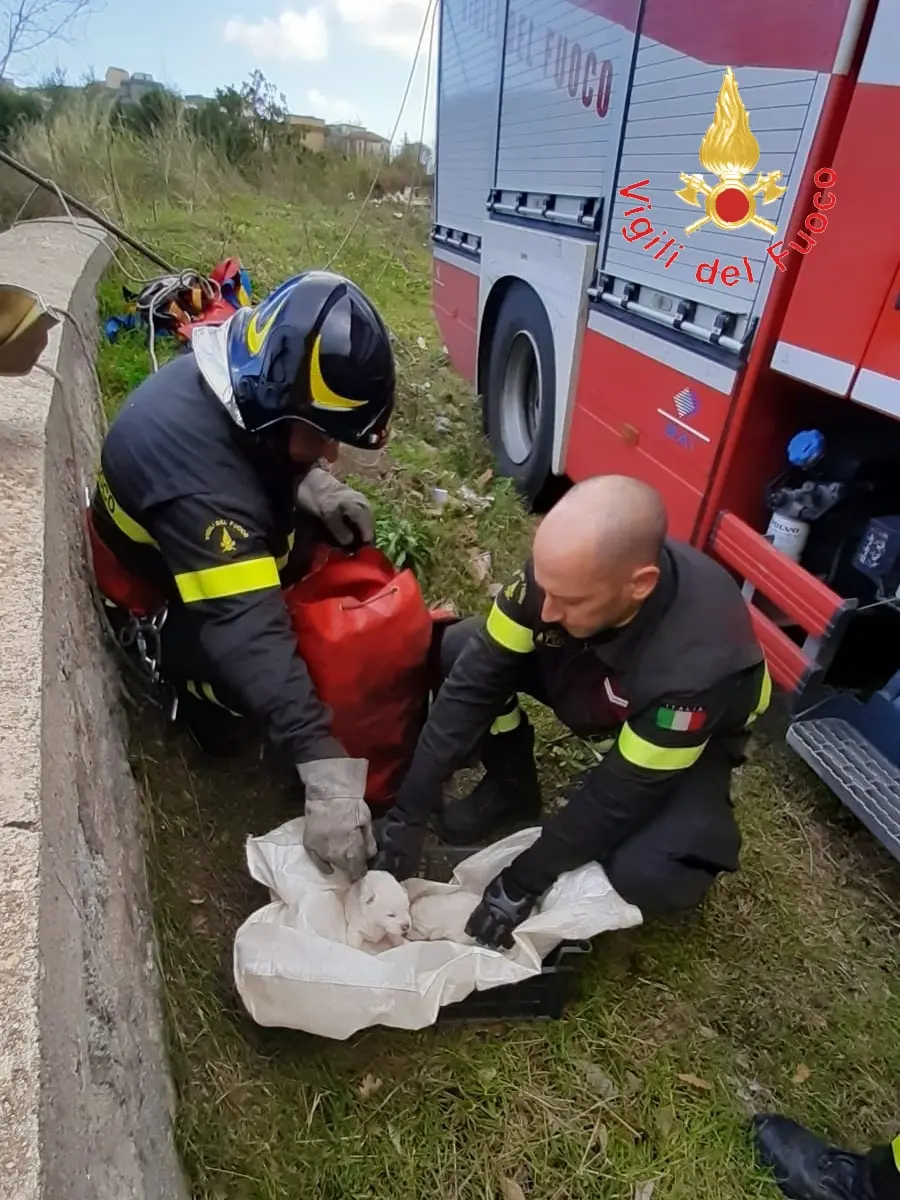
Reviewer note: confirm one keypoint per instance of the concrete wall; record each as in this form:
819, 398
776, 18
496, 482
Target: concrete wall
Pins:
85, 1098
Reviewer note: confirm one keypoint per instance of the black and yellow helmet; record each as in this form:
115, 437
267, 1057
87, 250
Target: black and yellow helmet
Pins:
314, 350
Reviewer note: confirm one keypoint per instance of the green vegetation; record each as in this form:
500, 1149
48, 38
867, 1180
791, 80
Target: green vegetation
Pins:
781, 993
241, 139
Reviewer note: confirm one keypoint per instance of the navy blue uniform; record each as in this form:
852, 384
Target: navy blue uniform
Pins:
186, 499
672, 694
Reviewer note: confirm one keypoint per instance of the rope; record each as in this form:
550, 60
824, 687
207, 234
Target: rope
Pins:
393, 256
159, 292
429, 12
68, 200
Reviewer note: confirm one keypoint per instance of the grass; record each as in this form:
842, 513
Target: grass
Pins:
781, 993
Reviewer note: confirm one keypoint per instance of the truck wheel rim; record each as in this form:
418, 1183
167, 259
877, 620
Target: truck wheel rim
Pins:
520, 397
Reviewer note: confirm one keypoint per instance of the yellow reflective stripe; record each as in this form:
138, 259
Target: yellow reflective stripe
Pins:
205, 692
765, 696
641, 753
125, 524
507, 722
509, 633
282, 560
214, 699
895, 1146
232, 579
765, 693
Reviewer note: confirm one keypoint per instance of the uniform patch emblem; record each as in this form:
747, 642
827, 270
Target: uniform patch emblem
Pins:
551, 639
225, 534
619, 701
515, 589
680, 719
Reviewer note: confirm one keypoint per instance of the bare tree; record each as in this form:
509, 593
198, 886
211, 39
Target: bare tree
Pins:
26, 25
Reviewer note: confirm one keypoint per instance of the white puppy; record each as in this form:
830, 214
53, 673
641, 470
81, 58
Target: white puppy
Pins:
376, 908
442, 917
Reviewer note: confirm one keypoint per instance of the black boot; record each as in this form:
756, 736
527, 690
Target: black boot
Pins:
807, 1168
508, 795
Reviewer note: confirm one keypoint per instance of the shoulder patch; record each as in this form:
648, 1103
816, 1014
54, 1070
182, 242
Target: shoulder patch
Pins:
515, 589
550, 638
682, 718
224, 534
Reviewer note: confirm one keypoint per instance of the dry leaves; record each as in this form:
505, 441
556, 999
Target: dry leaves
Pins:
596, 1080
632, 1083
480, 564
802, 1073
602, 1139
510, 1190
695, 1082
369, 1086
665, 1120
643, 1191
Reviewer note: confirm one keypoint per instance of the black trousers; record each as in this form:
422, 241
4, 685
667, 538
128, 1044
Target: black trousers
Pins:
669, 865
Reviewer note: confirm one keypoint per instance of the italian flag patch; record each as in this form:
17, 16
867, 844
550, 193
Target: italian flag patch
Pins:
682, 720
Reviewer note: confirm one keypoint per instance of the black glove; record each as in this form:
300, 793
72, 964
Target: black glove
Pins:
399, 842
503, 906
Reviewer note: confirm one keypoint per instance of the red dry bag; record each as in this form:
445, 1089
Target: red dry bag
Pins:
137, 596
364, 632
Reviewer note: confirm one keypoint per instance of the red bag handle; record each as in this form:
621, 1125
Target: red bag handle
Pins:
334, 571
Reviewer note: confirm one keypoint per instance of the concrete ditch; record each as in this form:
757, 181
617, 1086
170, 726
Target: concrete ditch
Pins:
86, 1100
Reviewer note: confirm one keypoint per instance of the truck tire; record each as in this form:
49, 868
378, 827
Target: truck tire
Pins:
520, 391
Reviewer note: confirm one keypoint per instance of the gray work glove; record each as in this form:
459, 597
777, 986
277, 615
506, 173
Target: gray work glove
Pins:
338, 827
344, 512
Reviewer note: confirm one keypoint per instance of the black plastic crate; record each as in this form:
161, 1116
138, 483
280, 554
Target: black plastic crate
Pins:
541, 998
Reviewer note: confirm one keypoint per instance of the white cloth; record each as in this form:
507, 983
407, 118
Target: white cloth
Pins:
293, 970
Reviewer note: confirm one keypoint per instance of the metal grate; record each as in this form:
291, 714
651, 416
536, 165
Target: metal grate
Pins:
866, 781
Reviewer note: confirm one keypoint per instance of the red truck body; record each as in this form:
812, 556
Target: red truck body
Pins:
567, 283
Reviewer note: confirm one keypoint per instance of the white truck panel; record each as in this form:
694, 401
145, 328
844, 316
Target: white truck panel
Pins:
564, 87
881, 64
559, 269
471, 47
677, 94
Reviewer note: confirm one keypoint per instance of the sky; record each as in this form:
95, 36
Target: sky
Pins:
344, 60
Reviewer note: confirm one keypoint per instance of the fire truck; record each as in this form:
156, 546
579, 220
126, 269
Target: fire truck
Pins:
666, 244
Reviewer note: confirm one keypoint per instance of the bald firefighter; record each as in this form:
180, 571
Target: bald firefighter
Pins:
637, 642
209, 491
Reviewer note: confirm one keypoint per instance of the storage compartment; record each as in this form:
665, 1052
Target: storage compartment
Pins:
841, 330
471, 49
647, 407
600, 449
565, 80
809, 519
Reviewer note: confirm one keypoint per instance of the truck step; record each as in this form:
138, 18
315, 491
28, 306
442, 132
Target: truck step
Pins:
864, 779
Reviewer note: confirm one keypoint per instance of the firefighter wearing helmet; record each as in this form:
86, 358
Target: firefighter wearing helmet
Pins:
210, 495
